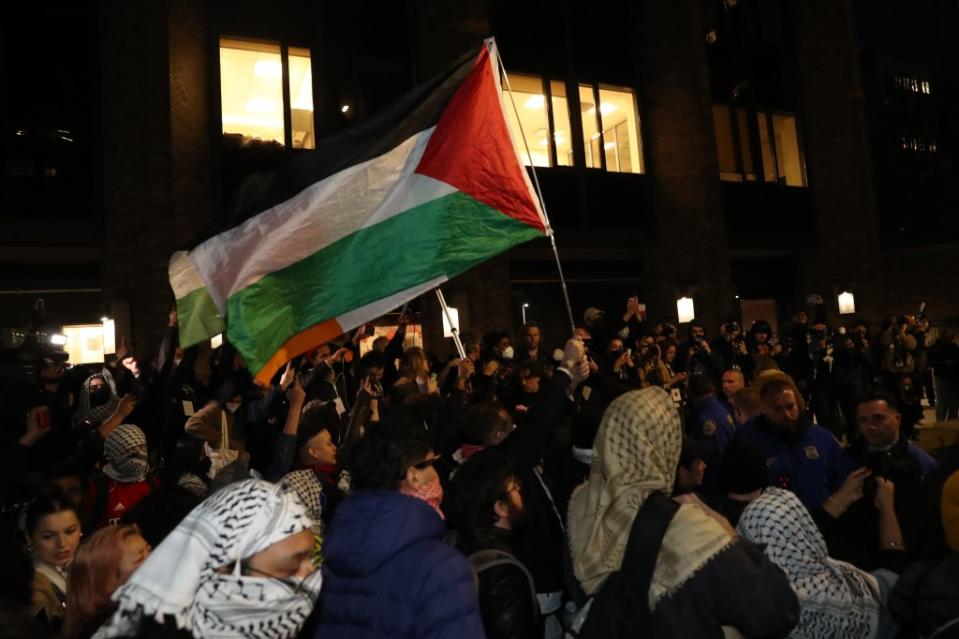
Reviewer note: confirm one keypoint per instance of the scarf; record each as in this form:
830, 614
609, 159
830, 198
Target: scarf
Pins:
431, 493
96, 415
836, 599
635, 454
310, 490
125, 450
180, 578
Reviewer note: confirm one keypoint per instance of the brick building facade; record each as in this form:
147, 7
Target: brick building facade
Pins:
151, 171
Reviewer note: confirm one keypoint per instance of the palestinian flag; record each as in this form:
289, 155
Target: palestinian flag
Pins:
371, 219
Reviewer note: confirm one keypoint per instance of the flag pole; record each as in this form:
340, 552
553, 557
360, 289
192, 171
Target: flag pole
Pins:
491, 42
453, 329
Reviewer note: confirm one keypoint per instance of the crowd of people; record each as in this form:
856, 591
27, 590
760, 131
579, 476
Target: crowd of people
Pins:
632, 481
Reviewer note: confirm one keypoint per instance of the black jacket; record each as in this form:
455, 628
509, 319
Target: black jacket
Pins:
739, 587
508, 607
926, 596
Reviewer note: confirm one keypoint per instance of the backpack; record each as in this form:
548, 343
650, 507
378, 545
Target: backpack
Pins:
484, 559
620, 608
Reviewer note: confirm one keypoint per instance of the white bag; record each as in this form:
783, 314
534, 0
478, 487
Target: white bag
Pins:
224, 455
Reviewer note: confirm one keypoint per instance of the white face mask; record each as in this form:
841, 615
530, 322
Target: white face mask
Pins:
231, 407
507, 352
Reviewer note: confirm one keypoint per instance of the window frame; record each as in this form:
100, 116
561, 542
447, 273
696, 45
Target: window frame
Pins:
578, 150
755, 132
285, 85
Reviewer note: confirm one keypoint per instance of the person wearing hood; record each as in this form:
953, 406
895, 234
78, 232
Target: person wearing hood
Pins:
836, 599
239, 565
125, 480
700, 577
387, 570
98, 400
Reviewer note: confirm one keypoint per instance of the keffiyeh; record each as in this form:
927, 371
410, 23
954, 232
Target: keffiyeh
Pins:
182, 577
96, 415
836, 599
308, 487
125, 450
636, 453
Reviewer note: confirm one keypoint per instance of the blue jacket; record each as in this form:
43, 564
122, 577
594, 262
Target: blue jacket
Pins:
715, 425
388, 573
813, 466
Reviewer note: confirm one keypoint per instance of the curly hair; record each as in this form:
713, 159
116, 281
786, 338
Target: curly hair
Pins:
387, 450
475, 488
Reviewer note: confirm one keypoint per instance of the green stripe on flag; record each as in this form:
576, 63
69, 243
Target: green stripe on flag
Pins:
445, 236
198, 317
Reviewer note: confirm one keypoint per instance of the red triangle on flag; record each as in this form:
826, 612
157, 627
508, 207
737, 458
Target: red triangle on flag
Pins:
471, 148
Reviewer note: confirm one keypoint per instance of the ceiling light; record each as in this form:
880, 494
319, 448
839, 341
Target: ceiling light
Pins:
609, 145
344, 108
606, 108
267, 69
535, 102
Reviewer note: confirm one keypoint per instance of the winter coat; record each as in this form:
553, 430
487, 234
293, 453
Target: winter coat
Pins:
388, 573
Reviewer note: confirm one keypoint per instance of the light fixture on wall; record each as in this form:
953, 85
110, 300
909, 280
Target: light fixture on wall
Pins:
455, 318
523, 309
847, 303
685, 310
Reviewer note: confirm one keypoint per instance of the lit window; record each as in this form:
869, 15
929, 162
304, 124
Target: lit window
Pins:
301, 99
779, 142
733, 168
251, 93
529, 117
611, 133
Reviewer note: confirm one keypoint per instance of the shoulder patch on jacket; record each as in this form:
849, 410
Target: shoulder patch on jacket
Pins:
709, 427
811, 452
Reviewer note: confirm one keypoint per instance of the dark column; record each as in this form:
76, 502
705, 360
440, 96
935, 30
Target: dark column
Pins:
689, 248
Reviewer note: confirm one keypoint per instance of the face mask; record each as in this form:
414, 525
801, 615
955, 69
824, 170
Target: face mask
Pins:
133, 468
100, 396
231, 407
507, 352
176, 363
431, 493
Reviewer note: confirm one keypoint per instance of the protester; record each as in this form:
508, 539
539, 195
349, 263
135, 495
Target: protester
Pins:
53, 533
485, 506
704, 576
238, 566
836, 599
102, 564
388, 571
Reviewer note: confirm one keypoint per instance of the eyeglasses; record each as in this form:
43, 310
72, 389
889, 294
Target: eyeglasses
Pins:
426, 463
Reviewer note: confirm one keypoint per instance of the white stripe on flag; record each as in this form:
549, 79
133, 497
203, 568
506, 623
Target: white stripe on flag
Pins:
318, 216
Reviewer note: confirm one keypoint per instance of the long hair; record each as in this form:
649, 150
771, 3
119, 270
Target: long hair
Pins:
414, 363
94, 577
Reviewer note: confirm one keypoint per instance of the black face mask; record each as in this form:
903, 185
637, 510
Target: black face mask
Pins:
100, 396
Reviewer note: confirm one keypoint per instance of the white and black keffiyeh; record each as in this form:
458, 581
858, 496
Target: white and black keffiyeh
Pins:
181, 578
125, 450
308, 487
836, 599
96, 415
